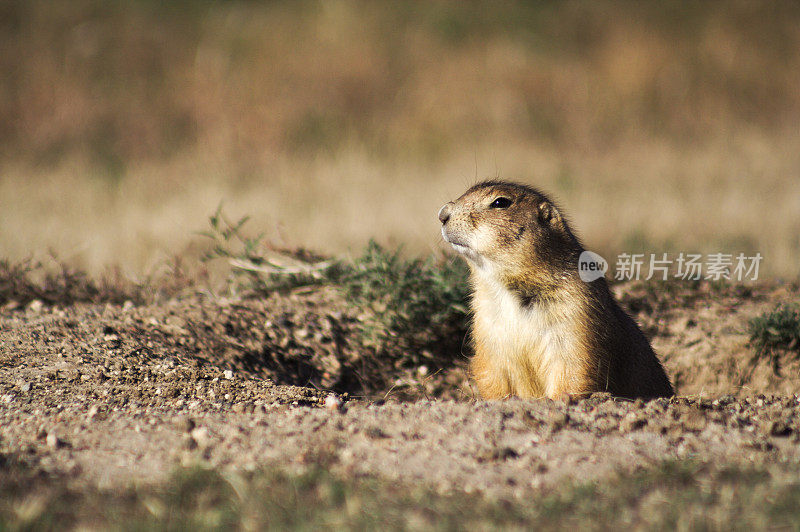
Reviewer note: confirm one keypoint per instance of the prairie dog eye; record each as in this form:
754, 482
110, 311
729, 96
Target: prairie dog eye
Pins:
500, 203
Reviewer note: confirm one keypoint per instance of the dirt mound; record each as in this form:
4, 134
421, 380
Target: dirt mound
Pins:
312, 338
700, 331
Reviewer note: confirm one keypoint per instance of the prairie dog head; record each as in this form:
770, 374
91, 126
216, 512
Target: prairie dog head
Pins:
511, 232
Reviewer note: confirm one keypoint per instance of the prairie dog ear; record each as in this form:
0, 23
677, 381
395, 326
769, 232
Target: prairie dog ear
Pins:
549, 215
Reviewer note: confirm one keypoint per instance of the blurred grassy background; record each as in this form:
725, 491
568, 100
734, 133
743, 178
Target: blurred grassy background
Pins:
660, 126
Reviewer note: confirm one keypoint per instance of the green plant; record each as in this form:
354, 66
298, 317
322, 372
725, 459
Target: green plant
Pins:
414, 309
415, 304
776, 331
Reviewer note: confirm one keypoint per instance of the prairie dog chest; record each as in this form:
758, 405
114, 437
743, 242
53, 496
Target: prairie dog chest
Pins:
538, 338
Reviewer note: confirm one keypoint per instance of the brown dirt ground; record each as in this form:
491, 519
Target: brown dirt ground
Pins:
112, 395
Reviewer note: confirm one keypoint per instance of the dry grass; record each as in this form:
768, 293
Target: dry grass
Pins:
659, 127
684, 495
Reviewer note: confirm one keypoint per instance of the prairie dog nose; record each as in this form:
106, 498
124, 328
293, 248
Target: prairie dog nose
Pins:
444, 212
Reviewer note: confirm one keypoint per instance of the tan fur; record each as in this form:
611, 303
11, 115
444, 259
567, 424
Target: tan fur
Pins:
538, 330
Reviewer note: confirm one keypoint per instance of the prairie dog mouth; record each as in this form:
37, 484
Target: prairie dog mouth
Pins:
464, 250
458, 244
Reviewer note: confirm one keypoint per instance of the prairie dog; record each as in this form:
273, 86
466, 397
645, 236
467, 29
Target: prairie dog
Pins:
538, 329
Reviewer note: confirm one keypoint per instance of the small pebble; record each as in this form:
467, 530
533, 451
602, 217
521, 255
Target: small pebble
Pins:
189, 442
53, 441
201, 435
332, 402
632, 421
